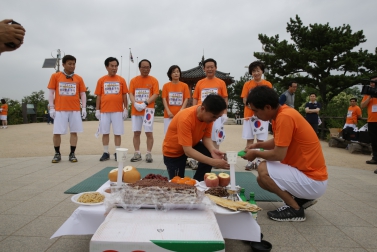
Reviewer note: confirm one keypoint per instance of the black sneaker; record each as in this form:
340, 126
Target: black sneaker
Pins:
287, 213
72, 158
115, 156
372, 161
305, 203
57, 157
105, 156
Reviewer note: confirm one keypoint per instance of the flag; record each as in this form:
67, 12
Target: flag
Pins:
131, 58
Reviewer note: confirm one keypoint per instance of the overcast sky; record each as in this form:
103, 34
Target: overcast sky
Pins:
166, 32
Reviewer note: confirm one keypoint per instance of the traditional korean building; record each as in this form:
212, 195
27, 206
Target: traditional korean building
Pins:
192, 76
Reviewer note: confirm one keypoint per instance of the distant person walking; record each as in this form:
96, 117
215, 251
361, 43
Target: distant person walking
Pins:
65, 90
288, 97
4, 114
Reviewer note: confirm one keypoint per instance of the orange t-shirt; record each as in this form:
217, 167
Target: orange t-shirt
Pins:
185, 130
304, 150
372, 116
67, 91
175, 95
111, 89
5, 109
352, 114
142, 88
247, 87
205, 86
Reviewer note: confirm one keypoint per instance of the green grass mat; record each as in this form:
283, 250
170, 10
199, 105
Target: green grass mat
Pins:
246, 180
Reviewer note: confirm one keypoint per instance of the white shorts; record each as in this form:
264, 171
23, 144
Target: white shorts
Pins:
292, 180
248, 128
216, 125
166, 124
137, 124
114, 118
350, 125
3, 117
65, 118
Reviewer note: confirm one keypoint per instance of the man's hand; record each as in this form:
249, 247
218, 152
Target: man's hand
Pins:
142, 106
170, 114
10, 33
220, 163
83, 113
125, 114
52, 113
98, 114
250, 154
137, 106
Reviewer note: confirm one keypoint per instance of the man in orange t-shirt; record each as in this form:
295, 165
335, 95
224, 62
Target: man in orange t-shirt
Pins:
143, 93
111, 105
175, 95
212, 85
65, 90
189, 135
252, 125
4, 114
370, 102
301, 175
353, 114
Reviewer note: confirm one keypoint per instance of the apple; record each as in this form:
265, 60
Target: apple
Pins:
224, 179
208, 174
212, 181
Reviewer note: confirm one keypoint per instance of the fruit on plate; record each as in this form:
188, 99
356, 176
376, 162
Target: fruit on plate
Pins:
208, 174
130, 174
224, 179
212, 181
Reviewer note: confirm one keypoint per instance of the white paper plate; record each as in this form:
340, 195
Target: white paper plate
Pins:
222, 210
75, 197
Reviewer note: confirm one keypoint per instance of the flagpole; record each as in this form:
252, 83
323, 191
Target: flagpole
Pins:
121, 65
129, 67
137, 64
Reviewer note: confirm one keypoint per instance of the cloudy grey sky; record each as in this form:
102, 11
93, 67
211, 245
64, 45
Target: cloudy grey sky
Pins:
166, 32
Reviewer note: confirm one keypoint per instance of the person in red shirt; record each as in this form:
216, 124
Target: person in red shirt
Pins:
111, 105
65, 90
189, 135
4, 114
370, 102
353, 114
175, 95
294, 166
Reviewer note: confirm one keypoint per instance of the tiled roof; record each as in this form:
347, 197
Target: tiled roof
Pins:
197, 73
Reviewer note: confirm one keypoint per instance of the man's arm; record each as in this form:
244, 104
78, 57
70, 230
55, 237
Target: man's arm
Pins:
276, 154
132, 98
194, 101
152, 98
98, 102
125, 101
365, 103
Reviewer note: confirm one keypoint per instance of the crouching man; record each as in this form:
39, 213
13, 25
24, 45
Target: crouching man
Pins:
294, 166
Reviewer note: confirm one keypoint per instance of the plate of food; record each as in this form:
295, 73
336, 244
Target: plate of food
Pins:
226, 206
88, 198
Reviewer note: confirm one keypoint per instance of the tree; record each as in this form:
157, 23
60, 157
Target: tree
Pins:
159, 106
90, 105
234, 94
14, 112
321, 55
38, 99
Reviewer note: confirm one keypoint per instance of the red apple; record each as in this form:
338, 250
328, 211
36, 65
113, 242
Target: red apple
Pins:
224, 179
212, 181
208, 174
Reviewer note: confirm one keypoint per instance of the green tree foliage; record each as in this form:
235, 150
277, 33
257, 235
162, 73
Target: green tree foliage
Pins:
234, 95
14, 112
37, 98
159, 106
321, 55
90, 105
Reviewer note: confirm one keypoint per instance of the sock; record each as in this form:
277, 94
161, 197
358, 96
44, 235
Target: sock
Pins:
57, 149
106, 148
138, 152
73, 148
148, 152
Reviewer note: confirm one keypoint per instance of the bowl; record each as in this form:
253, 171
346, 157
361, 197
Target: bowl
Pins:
263, 246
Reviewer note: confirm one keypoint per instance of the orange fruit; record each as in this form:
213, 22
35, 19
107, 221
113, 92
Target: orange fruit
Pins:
190, 182
187, 178
181, 181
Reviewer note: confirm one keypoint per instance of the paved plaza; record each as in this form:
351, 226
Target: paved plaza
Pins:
33, 205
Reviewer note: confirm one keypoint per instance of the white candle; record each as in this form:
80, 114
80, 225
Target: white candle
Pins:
232, 160
121, 157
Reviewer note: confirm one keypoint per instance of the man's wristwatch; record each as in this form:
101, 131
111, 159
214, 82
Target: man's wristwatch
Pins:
146, 103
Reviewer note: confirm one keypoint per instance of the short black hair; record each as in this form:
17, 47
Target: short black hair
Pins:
68, 57
110, 59
209, 60
150, 64
313, 93
214, 103
290, 82
3, 101
171, 69
353, 99
256, 64
261, 96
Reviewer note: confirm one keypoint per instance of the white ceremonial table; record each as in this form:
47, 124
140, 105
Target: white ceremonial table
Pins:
85, 220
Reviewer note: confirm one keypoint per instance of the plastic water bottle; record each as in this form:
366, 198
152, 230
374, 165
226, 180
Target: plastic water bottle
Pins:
242, 194
252, 201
